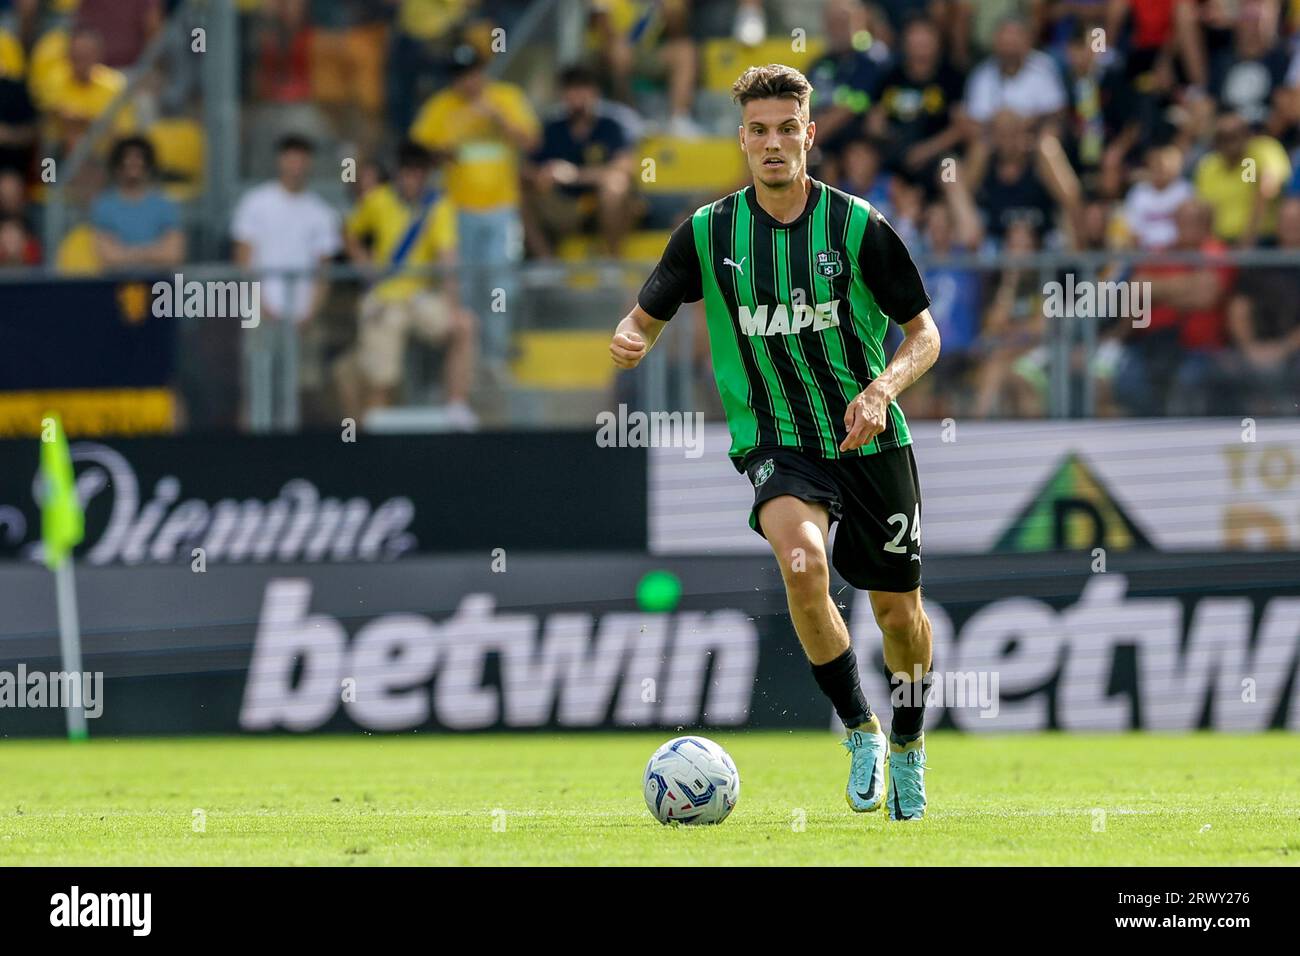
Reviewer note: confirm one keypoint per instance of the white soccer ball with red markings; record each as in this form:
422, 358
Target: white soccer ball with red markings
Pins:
691, 780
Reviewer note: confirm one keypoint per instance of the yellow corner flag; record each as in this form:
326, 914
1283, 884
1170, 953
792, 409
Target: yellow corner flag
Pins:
62, 523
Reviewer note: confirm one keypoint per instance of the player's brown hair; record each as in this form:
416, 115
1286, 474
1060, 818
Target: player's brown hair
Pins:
774, 81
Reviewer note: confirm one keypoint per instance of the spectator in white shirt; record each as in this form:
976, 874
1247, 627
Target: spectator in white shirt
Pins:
1016, 78
282, 227
1151, 205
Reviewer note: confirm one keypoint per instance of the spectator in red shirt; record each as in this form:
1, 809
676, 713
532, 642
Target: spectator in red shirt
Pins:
1167, 367
284, 53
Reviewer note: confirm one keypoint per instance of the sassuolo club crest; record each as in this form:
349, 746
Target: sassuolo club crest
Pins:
828, 264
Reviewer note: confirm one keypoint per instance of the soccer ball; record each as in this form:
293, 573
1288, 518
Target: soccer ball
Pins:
691, 780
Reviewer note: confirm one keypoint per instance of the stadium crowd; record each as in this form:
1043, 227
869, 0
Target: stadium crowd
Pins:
1000, 127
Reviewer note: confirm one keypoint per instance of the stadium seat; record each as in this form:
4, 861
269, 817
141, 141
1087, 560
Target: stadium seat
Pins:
76, 255
563, 359
179, 145
13, 62
643, 246
714, 164
725, 59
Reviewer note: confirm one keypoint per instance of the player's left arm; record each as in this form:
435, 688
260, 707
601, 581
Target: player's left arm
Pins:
891, 275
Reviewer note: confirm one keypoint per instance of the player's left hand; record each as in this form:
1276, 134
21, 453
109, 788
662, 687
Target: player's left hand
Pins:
865, 417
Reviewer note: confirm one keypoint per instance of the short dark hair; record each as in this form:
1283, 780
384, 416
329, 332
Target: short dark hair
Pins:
128, 143
578, 75
412, 155
776, 80
295, 141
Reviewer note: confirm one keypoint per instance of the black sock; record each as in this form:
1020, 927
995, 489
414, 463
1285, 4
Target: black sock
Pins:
838, 680
909, 707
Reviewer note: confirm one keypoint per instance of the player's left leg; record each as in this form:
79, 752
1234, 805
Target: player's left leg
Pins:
906, 632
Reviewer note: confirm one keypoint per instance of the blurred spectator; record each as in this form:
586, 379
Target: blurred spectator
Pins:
283, 73
81, 88
283, 225
13, 193
1021, 180
348, 43
750, 25
1246, 82
486, 127
1090, 87
125, 26
1243, 195
950, 229
1262, 367
982, 20
919, 107
908, 201
646, 39
420, 53
370, 175
401, 226
1151, 204
1010, 357
135, 224
848, 77
862, 174
582, 174
18, 248
1166, 366
1016, 78
17, 114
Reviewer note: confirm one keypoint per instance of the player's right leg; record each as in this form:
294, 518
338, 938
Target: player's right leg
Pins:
797, 531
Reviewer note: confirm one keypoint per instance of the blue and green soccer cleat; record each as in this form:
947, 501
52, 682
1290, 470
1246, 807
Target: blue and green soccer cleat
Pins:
867, 747
907, 779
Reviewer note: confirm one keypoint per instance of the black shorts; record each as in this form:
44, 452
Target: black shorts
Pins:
876, 499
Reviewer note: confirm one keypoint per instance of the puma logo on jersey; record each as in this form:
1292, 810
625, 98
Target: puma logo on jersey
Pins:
738, 266
789, 321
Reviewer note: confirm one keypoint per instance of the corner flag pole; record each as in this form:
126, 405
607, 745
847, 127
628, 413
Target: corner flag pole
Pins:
70, 644
62, 528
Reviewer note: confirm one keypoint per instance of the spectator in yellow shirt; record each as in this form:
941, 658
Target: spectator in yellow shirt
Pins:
399, 228
1244, 195
485, 128
82, 88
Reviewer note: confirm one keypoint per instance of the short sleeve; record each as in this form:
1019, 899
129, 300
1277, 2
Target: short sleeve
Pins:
616, 139
516, 106
429, 128
359, 222
440, 233
889, 272
676, 279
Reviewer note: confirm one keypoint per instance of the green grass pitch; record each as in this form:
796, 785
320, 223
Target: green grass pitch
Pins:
1195, 800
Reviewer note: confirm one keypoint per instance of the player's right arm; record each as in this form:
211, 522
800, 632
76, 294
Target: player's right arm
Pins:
676, 279
634, 337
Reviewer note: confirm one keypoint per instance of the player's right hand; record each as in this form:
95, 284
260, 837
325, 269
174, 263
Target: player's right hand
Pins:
627, 349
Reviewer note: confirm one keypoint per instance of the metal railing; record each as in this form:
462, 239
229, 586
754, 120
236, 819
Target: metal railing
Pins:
594, 295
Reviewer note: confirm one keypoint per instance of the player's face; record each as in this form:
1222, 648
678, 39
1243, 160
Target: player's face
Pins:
775, 137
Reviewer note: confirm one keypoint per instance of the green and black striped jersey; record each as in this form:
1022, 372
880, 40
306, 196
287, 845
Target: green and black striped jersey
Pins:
797, 313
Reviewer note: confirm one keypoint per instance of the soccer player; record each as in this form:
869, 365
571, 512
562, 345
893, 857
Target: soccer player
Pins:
799, 282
